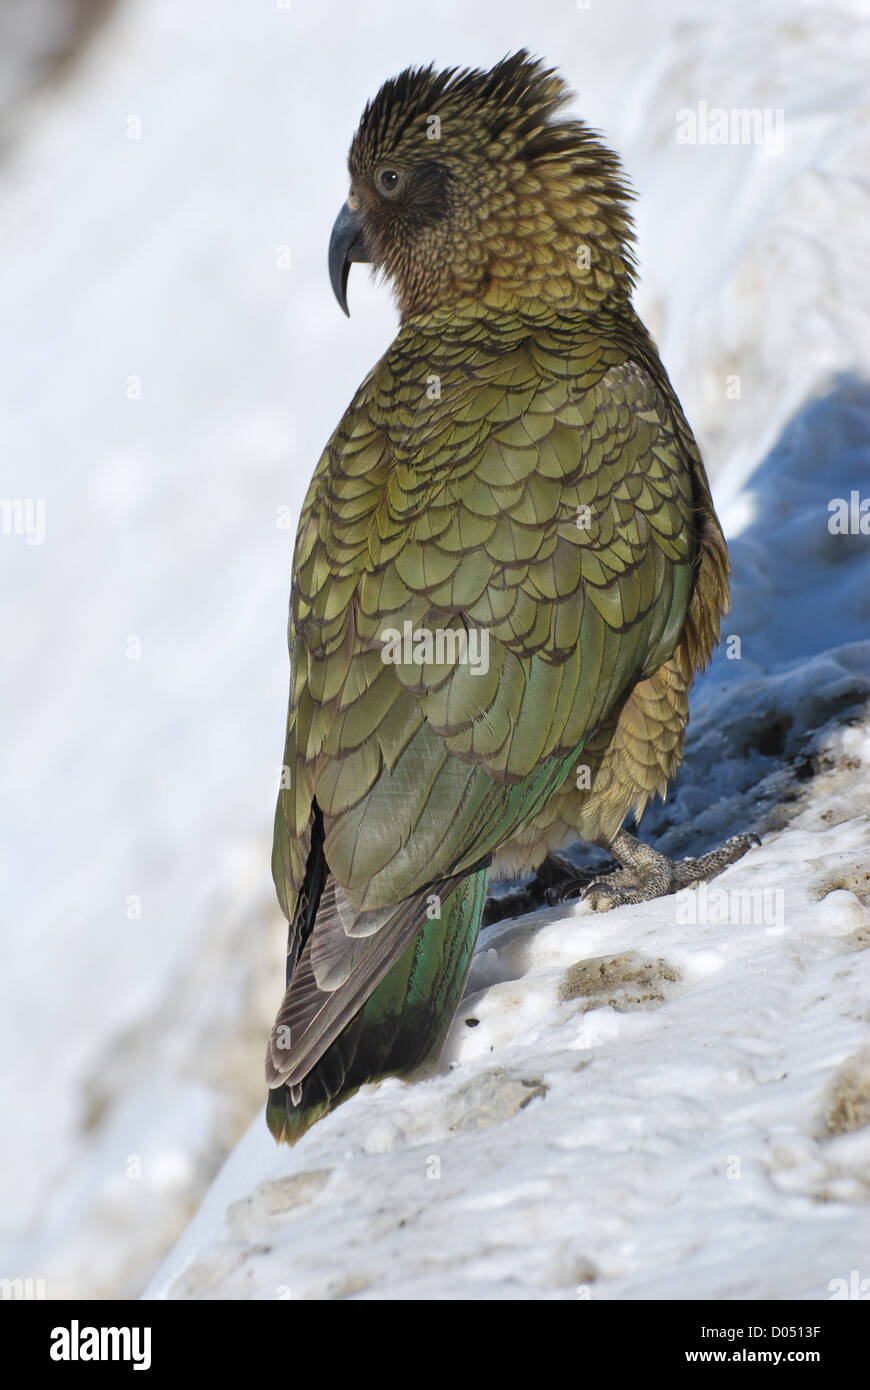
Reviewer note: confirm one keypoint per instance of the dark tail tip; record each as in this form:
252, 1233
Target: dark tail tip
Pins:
288, 1121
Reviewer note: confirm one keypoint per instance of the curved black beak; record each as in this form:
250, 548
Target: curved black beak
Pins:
345, 246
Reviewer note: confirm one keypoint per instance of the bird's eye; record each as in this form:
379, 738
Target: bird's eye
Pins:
388, 180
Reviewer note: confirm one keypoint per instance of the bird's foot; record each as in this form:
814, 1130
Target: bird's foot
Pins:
553, 880
644, 873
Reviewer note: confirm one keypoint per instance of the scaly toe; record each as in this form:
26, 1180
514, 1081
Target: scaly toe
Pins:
603, 896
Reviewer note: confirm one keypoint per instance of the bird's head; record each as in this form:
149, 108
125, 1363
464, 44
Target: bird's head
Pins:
466, 184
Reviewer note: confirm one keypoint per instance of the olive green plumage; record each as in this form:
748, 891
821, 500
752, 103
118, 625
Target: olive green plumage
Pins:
516, 468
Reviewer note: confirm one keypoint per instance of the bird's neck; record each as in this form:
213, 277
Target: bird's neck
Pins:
547, 240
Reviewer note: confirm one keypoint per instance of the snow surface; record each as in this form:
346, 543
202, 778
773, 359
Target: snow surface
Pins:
170, 517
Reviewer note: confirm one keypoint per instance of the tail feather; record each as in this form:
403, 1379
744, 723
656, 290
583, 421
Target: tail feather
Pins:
402, 1024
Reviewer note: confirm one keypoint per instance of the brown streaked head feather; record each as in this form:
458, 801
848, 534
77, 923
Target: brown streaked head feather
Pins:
470, 184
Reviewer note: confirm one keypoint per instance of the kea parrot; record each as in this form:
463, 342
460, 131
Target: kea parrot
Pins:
508, 569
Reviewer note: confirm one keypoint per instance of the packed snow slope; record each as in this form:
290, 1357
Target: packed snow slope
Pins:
175, 366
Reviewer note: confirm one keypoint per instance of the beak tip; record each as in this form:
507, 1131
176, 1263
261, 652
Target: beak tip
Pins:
345, 246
